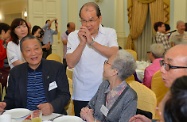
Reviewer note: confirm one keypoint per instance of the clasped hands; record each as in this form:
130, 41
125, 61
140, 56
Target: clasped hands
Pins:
87, 114
84, 36
46, 108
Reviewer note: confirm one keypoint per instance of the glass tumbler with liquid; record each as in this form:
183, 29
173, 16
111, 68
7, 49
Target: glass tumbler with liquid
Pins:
36, 116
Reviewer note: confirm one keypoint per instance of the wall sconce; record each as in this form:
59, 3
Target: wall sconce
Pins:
1, 17
97, 1
25, 13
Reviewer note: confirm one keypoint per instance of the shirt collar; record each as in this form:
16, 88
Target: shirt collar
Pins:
117, 88
101, 29
38, 69
160, 32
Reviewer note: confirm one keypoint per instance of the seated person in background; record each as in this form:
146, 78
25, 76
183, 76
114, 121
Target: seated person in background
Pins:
4, 35
19, 29
179, 36
38, 32
114, 101
38, 83
160, 36
155, 55
172, 67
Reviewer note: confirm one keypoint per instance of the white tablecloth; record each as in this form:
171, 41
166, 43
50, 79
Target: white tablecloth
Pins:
141, 65
53, 115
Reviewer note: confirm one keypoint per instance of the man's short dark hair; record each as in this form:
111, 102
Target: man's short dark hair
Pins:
68, 25
98, 12
35, 28
4, 26
157, 24
47, 21
167, 27
26, 38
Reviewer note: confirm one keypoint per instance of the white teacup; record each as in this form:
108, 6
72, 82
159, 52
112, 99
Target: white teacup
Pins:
5, 118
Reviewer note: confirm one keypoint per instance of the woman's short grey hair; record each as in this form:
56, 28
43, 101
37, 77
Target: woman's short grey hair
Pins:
125, 64
157, 50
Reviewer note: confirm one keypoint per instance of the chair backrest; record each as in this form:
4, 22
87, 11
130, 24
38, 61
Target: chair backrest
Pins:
69, 73
130, 78
70, 107
133, 53
158, 86
3, 93
146, 97
54, 57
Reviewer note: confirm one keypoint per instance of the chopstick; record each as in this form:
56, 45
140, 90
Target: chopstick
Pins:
55, 117
2, 112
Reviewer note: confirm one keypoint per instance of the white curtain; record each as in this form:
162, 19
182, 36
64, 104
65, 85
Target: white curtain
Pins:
142, 44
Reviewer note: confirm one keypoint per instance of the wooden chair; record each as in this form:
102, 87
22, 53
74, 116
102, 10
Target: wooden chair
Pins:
3, 93
70, 107
130, 78
69, 73
133, 53
158, 86
54, 57
1, 90
146, 97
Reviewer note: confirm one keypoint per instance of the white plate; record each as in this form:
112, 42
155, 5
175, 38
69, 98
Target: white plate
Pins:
18, 113
68, 119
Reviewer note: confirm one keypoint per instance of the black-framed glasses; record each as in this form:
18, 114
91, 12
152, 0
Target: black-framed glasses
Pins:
106, 62
167, 67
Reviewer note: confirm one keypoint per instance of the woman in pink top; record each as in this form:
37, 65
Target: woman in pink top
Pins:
155, 55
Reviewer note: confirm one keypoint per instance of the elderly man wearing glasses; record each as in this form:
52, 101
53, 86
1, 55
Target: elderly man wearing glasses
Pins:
87, 49
173, 66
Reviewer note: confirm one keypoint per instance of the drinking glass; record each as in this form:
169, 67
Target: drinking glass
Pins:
36, 116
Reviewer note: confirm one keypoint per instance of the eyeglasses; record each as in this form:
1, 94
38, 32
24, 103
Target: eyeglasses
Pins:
106, 62
167, 67
91, 21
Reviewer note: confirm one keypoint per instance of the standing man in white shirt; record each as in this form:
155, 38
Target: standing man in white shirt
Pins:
70, 28
87, 49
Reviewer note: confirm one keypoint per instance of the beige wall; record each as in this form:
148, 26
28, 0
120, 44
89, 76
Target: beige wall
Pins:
114, 13
10, 9
179, 11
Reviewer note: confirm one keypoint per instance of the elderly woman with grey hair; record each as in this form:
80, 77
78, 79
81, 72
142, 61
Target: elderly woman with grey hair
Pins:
114, 101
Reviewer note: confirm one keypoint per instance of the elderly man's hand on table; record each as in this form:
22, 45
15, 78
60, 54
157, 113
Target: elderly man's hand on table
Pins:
2, 106
46, 108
